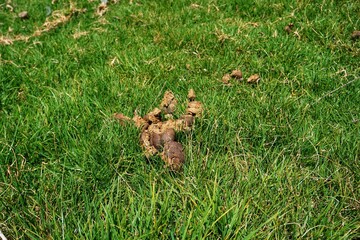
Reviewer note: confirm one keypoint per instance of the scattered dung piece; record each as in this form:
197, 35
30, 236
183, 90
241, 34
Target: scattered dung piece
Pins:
191, 95
237, 74
188, 120
254, 79
168, 104
173, 155
139, 121
24, 15
288, 28
355, 35
226, 79
153, 116
194, 108
122, 118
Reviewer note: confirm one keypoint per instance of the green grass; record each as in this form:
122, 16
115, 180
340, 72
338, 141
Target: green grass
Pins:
277, 160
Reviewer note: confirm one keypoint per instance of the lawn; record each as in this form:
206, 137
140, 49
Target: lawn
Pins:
274, 160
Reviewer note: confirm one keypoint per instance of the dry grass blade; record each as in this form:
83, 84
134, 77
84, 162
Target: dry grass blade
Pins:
56, 19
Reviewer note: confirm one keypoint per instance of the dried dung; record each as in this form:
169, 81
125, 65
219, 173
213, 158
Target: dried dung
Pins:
158, 136
254, 79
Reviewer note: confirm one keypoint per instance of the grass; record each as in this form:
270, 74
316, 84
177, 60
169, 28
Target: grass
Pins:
277, 160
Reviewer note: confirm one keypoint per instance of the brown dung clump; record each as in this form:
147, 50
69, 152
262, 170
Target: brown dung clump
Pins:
355, 35
238, 75
254, 78
158, 136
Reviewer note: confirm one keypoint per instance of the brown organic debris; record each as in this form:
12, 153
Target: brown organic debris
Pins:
355, 35
237, 74
122, 118
194, 108
56, 19
226, 79
191, 95
168, 104
254, 78
153, 116
101, 9
288, 28
173, 155
188, 120
158, 136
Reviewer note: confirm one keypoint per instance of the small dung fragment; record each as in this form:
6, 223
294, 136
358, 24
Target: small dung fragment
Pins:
194, 108
153, 116
226, 79
254, 79
188, 120
168, 103
355, 35
173, 155
24, 15
139, 121
121, 118
237, 74
191, 95
288, 28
